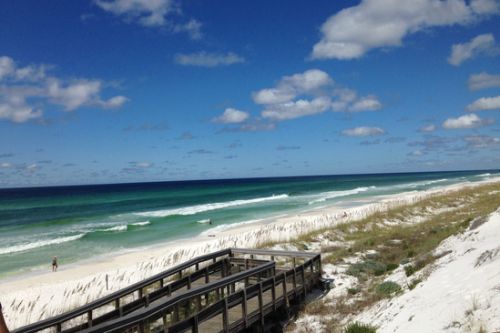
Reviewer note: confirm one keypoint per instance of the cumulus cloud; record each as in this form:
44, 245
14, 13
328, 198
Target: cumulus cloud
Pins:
33, 83
205, 59
151, 13
231, 116
484, 103
290, 87
368, 103
114, 102
372, 24
192, 28
466, 121
363, 131
482, 44
428, 128
146, 12
308, 93
296, 109
483, 80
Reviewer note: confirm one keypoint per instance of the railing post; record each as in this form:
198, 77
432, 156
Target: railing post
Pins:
176, 312
225, 316
273, 292
285, 293
261, 306
118, 307
195, 324
89, 318
304, 287
294, 282
244, 307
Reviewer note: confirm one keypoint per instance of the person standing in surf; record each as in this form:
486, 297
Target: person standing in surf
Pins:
54, 264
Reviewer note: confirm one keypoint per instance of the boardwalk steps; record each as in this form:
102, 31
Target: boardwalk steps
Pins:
233, 290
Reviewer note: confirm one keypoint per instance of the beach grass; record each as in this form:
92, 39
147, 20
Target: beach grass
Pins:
404, 236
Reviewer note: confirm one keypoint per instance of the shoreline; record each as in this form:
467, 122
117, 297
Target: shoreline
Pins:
46, 294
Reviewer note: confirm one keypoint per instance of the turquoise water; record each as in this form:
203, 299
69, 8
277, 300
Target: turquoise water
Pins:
79, 222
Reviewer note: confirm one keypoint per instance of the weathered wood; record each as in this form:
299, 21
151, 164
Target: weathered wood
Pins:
245, 290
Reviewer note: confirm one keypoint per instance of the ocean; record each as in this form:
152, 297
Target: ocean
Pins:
79, 223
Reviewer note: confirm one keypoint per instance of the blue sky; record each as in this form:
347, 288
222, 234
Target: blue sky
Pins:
104, 91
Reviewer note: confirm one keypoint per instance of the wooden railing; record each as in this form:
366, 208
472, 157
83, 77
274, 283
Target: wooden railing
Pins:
239, 288
117, 298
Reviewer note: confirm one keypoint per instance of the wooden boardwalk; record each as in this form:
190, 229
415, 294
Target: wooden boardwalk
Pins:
233, 290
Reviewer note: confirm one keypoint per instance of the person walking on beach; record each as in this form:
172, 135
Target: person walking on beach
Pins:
54, 264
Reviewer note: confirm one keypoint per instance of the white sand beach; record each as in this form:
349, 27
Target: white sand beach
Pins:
30, 298
462, 294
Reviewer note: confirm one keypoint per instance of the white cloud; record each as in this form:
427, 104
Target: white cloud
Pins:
363, 131
483, 80
231, 116
290, 87
15, 109
205, 59
7, 67
10, 71
152, 13
146, 12
484, 103
482, 44
368, 103
287, 100
354, 31
481, 141
73, 95
193, 28
142, 164
296, 109
114, 102
417, 152
466, 121
31, 84
428, 128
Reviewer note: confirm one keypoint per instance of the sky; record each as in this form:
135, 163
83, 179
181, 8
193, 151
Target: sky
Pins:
107, 91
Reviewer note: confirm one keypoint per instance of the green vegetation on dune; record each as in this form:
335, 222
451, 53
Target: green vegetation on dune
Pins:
383, 241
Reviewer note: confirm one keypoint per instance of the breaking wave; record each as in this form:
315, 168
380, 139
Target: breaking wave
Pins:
191, 210
335, 194
42, 243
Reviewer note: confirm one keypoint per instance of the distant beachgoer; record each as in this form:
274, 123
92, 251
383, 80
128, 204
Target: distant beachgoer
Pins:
209, 221
54, 264
344, 215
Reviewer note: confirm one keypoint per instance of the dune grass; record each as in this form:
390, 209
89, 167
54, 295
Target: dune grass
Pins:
403, 236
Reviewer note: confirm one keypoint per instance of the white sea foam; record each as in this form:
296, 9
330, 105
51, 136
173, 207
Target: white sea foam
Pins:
41, 243
191, 210
204, 221
223, 227
335, 194
140, 224
115, 228
415, 184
